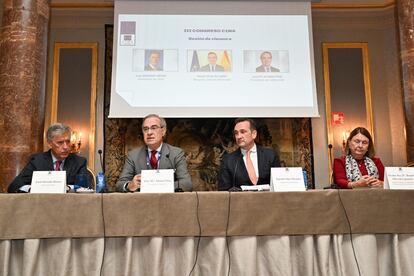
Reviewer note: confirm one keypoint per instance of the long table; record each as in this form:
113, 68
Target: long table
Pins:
318, 232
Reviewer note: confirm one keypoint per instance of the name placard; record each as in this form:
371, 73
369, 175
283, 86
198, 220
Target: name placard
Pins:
399, 178
256, 188
48, 182
157, 181
287, 180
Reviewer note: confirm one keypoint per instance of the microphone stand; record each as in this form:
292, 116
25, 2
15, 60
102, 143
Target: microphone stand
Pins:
178, 189
332, 185
106, 189
101, 160
235, 188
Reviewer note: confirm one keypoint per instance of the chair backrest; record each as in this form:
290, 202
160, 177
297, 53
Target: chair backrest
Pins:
91, 179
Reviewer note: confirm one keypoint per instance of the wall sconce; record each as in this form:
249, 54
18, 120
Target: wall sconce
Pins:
75, 142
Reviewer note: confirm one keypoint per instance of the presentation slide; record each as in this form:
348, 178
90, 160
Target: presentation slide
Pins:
213, 66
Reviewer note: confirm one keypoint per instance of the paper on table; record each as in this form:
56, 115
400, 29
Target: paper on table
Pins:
287, 180
401, 178
262, 187
48, 182
157, 181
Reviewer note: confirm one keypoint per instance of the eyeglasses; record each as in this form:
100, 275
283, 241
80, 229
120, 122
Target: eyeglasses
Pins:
363, 142
152, 128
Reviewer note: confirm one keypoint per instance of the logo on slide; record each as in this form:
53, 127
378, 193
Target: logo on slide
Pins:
127, 37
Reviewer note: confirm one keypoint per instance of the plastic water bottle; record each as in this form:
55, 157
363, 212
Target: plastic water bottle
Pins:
305, 178
100, 182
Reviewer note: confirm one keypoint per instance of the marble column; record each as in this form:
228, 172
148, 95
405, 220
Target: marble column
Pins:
406, 27
23, 50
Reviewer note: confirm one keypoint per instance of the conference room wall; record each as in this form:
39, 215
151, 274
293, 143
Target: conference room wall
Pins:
378, 29
80, 26
375, 27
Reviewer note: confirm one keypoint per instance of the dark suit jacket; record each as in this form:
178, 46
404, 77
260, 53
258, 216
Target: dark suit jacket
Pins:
73, 166
171, 158
262, 69
149, 68
229, 174
206, 68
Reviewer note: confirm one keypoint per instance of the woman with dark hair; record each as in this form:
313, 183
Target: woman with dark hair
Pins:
359, 168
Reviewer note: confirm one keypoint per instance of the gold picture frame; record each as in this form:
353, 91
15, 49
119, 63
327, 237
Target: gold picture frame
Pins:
55, 89
328, 93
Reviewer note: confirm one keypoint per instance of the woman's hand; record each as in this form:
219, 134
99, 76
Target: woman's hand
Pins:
376, 183
368, 181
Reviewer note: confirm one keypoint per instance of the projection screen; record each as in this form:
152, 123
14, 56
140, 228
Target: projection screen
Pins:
213, 59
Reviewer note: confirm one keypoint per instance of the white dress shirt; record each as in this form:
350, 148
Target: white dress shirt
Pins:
54, 162
158, 155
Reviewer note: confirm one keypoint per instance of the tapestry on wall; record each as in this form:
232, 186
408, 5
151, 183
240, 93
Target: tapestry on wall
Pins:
204, 141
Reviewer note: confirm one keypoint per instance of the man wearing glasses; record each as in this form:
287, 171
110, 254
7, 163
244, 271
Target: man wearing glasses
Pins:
154, 155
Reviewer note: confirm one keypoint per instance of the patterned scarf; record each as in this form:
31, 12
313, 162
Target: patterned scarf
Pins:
352, 171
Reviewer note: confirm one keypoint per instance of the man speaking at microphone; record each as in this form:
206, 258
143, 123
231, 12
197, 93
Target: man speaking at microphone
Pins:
250, 164
154, 155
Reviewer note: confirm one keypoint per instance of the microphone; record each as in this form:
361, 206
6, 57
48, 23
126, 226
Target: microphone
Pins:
101, 160
330, 146
178, 189
234, 188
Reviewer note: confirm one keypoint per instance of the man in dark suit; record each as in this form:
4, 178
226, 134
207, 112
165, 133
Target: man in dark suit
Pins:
154, 61
154, 155
57, 158
250, 164
212, 65
266, 59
